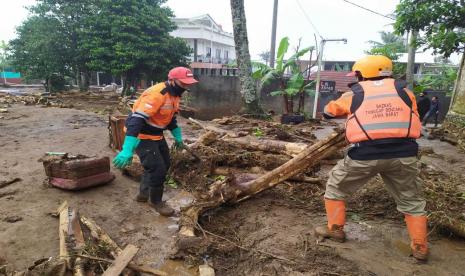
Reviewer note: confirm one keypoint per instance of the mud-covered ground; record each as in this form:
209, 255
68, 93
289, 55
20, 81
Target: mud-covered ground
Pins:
267, 235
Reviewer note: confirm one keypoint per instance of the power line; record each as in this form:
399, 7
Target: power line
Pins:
308, 19
367, 9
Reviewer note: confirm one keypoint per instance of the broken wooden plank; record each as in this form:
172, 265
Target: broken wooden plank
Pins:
78, 242
98, 233
146, 269
135, 267
63, 230
121, 261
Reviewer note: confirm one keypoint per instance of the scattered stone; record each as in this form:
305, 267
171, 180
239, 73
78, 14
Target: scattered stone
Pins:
206, 270
12, 219
3, 110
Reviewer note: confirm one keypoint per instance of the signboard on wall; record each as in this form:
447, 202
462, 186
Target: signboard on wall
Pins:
327, 86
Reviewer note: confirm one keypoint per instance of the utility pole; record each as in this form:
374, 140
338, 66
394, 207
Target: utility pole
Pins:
273, 33
411, 59
318, 73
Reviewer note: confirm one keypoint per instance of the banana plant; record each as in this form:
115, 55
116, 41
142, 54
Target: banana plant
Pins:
289, 85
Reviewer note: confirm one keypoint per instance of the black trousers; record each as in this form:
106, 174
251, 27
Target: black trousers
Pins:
430, 114
155, 158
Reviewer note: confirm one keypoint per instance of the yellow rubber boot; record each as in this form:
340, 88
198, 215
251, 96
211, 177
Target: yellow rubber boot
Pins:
336, 214
417, 230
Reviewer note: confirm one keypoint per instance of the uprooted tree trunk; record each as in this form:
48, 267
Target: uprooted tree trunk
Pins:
252, 143
287, 148
241, 188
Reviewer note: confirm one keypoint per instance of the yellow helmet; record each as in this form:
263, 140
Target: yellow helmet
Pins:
373, 66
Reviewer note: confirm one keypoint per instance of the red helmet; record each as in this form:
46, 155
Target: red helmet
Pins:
182, 74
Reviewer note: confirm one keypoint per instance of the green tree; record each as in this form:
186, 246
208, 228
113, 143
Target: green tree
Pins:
442, 24
249, 92
38, 51
131, 39
4, 61
290, 86
442, 78
128, 38
72, 16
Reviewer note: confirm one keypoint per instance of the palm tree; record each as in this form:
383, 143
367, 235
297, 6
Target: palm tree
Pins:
391, 40
248, 88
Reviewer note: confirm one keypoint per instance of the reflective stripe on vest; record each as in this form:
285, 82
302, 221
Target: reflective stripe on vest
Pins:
382, 114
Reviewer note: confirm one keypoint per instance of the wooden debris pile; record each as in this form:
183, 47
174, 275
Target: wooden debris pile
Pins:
239, 187
86, 249
35, 99
445, 196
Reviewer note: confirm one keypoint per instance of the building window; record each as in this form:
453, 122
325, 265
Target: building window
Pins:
226, 55
209, 52
218, 53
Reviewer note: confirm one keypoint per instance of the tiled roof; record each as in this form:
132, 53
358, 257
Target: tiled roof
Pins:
339, 77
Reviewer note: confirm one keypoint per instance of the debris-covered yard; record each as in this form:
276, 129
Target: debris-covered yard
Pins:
267, 234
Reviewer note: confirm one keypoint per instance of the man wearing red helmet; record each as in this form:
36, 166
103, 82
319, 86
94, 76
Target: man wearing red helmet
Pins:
154, 112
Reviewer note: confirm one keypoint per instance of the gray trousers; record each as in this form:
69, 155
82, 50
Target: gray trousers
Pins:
400, 176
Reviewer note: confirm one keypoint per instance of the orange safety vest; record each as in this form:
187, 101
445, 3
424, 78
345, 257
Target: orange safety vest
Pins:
157, 107
384, 112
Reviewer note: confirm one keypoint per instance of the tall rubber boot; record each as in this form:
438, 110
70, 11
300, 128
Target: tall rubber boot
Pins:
156, 194
417, 230
336, 214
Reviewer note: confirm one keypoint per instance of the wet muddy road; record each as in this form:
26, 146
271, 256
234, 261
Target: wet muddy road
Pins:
269, 222
27, 132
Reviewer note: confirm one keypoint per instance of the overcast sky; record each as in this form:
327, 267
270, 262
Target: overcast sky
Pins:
332, 19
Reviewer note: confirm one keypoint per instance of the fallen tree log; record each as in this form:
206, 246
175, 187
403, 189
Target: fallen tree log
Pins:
274, 146
241, 189
259, 171
252, 143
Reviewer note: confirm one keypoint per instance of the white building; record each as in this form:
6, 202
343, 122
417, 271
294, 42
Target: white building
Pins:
209, 42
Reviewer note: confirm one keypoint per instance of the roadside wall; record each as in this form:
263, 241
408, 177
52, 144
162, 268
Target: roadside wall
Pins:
217, 96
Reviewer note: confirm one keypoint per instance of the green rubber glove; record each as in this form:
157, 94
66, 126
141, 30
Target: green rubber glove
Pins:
177, 135
124, 157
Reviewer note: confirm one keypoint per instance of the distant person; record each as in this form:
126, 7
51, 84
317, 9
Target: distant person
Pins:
382, 130
153, 112
433, 112
423, 104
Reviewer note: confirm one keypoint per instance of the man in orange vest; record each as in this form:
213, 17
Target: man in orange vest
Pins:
382, 126
154, 112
